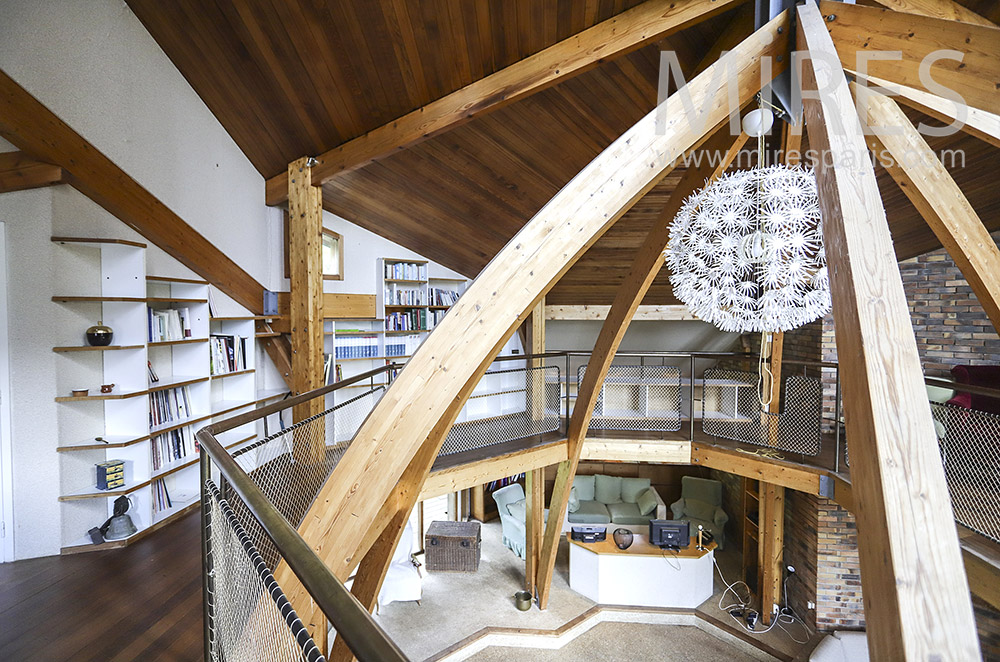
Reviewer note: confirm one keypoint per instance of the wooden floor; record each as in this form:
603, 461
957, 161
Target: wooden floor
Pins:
142, 602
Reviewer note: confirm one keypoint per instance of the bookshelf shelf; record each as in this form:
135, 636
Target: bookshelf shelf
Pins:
174, 300
87, 348
94, 493
222, 375
113, 441
171, 279
90, 241
169, 343
86, 299
114, 395
175, 382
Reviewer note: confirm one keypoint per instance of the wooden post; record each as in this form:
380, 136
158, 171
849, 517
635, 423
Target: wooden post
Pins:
479, 502
534, 488
305, 229
770, 546
534, 481
916, 603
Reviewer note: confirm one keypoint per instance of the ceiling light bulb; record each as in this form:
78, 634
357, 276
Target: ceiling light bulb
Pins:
758, 122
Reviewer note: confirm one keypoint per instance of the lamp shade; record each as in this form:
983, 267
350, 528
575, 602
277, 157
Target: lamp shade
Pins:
746, 252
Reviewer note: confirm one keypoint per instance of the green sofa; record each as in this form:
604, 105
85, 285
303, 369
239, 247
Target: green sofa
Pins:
601, 499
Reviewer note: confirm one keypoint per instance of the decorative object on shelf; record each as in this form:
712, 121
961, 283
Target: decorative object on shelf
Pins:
80, 392
107, 388
110, 474
522, 600
100, 335
623, 538
153, 377
746, 252
119, 525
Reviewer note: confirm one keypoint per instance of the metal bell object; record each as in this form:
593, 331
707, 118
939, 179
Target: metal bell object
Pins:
623, 538
119, 527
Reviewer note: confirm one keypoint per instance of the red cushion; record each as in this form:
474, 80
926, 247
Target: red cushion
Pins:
977, 375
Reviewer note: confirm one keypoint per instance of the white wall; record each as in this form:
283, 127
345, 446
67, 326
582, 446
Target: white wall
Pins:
96, 67
642, 335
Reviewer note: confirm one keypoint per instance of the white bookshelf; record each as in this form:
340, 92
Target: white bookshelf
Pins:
106, 280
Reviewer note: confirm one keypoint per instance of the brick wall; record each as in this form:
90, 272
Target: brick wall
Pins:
950, 325
801, 514
839, 604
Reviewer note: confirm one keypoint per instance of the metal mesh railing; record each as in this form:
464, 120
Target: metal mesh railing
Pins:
507, 405
288, 468
637, 397
243, 598
731, 409
970, 450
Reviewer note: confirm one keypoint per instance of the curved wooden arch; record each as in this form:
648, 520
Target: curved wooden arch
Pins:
416, 412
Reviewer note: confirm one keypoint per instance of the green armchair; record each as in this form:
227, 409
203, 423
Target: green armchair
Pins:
701, 503
511, 506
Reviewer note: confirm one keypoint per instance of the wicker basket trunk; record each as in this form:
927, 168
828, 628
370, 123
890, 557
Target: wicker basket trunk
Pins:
453, 546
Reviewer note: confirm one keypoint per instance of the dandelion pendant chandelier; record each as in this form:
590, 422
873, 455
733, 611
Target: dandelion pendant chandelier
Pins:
746, 252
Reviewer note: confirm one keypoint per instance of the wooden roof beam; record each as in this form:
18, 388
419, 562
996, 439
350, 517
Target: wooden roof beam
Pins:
948, 10
858, 30
621, 34
911, 606
395, 447
20, 172
973, 121
32, 127
923, 178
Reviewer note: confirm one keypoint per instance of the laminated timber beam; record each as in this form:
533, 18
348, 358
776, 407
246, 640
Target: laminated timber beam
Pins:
911, 606
948, 10
20, 172
393, 450
621, 34
32, 127
972, 121
646, 265
926, 182
919, 41
598, 312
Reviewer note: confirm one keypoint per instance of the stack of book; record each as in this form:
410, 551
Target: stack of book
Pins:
402, 345
168, 324
174, 445
441, 297
411, 320
404, 296
405, 271
161, 497
227, 353
332, 372
169, 405
357, 347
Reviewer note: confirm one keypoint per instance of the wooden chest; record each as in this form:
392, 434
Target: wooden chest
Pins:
452, 547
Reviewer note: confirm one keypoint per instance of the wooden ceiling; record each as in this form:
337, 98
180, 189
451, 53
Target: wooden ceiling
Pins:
289, 78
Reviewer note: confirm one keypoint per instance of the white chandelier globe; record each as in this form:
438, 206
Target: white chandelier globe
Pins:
746, 252
758, 122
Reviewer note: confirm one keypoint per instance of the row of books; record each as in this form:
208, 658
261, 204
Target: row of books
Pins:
227, 353
357, 347
402, 345
435, 318
410, 320
441, 297
169, 324
169, 405
404, 296
405, 271
161, 497
174, 445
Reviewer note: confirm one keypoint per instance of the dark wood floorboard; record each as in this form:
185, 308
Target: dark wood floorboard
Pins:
142, 602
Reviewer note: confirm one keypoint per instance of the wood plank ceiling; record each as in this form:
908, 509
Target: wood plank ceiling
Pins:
289, 78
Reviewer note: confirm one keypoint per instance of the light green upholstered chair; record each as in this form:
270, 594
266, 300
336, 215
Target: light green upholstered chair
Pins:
701, 503
511, 506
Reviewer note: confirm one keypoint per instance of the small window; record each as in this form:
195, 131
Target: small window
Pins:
333, 254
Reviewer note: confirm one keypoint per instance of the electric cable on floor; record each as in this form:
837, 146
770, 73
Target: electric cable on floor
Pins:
741, 612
